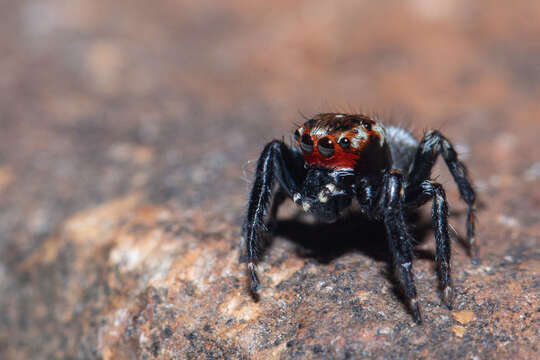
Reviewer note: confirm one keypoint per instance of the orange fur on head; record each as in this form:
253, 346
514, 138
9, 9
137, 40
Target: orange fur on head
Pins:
336, 127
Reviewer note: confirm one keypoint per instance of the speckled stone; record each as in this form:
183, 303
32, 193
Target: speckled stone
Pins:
128, 135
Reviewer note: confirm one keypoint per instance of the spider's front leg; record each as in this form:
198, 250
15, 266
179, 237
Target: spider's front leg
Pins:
434, 143
400, 241
278, 163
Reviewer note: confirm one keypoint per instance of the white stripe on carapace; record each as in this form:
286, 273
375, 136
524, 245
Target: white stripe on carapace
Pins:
319, 132
359, 137
379, 129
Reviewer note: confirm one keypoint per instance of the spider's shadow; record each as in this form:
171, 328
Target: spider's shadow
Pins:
327, 242
354, 233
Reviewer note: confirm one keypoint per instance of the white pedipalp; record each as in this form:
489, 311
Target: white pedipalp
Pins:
330, 190
337, 173
331, 187
323, 196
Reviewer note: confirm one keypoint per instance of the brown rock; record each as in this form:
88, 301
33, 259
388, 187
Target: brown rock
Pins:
464, 317
128, 136
459, 330
6, 177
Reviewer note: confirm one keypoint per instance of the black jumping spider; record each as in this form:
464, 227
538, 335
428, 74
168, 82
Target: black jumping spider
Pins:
340, 157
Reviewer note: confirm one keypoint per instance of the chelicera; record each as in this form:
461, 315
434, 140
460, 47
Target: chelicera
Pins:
340, 158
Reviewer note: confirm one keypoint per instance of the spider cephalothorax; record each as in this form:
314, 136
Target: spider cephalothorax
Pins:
342, 141
338, 158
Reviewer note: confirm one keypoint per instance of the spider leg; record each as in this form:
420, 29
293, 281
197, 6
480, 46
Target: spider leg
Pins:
399, 238
277, 163
439, 216
434, 143
279, 197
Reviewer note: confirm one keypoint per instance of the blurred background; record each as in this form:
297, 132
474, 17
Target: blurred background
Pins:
173, 100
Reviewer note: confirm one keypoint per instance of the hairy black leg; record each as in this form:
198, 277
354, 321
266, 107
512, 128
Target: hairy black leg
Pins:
276, 163
279, 197
439, 216
399, 238
433, 144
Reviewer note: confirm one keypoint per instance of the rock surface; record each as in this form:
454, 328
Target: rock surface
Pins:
127, 139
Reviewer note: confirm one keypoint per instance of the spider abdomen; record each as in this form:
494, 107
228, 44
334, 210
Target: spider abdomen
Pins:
403, 146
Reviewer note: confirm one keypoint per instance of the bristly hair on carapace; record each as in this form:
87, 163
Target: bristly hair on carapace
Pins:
335, 140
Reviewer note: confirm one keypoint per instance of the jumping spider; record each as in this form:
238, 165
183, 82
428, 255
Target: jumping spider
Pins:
341, 157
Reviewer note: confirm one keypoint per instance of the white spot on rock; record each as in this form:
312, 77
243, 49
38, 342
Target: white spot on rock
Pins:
533, 173
508, 221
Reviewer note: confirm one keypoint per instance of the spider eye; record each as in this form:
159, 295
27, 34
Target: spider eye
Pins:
366, 125
345, 143
306, 144
297, 135
326, 147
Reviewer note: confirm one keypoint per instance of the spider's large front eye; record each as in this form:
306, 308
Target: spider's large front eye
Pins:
326, 147
306, 143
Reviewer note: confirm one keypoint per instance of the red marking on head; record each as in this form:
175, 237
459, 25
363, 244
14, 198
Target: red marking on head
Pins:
336, 161
357, 129
341, 158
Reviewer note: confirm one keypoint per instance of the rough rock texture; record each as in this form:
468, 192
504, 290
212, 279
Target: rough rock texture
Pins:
128, 133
